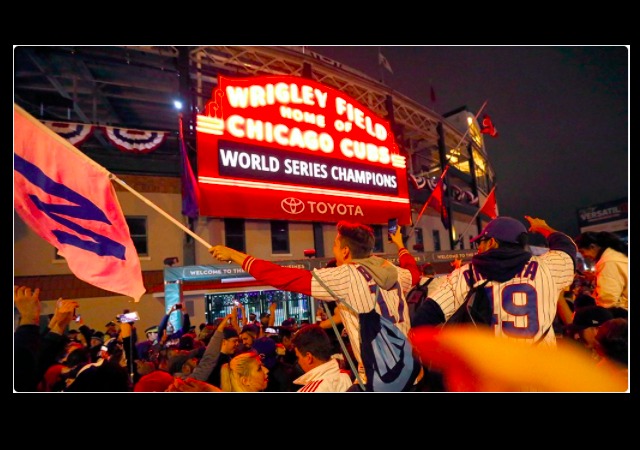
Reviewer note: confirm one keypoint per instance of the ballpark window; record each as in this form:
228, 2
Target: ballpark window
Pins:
318, 240
234, 234
279, 236
419, 245
138, 231
436, 241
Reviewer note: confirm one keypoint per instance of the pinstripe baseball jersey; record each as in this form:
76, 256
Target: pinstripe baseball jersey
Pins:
524, 306
350, 284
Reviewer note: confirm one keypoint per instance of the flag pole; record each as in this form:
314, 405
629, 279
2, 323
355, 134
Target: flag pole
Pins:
380, 69
467, 227
473, 218
476, 117
157, 208
428, 200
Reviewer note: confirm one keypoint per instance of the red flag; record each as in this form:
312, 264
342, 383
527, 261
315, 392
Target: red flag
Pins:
69, 201
489, 207
487, 127
435, 200
437, 203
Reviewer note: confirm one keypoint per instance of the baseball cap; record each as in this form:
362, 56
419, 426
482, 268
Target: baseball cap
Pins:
266, 348
503, 228
153, 329
589, 316
111, 323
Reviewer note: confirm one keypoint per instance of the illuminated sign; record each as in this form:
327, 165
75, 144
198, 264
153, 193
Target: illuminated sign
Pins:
289, 148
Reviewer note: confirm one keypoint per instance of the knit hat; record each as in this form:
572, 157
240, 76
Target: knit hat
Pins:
156, 381
266, 348
505, 229
98, 335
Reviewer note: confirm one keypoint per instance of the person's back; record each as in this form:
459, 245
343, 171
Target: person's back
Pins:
349, 283
525, 287
355, 279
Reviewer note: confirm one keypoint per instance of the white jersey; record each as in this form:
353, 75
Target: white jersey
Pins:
524, 306
326, 377
349, 283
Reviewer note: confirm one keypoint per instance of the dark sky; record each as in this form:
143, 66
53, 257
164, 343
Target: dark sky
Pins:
562, 114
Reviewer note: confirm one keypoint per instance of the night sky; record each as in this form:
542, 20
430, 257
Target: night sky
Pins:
562, 115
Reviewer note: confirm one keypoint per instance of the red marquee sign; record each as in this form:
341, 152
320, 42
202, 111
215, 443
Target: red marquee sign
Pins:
289, 148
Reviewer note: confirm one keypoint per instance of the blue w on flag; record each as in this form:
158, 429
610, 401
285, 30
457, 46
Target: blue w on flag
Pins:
69, 201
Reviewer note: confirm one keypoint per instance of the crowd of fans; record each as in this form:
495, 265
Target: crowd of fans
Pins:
243, 353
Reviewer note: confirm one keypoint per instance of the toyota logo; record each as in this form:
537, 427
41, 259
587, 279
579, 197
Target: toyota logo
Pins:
292, 205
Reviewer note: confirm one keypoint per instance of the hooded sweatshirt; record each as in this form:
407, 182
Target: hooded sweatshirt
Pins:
612, 279
350, 284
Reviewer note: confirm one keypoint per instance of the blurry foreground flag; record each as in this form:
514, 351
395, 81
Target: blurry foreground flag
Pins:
382, 60
189, 183
489, 207
69, 201
487, 127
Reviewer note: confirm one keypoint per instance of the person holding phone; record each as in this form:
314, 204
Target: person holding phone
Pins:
352, 248
392, 227
168, 335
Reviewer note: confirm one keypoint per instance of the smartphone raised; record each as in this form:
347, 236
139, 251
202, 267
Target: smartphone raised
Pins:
392, 227
128, 317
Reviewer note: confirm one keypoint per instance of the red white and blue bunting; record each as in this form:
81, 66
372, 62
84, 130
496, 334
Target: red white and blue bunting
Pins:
136, 141
75, 133
127, 140
459, 195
